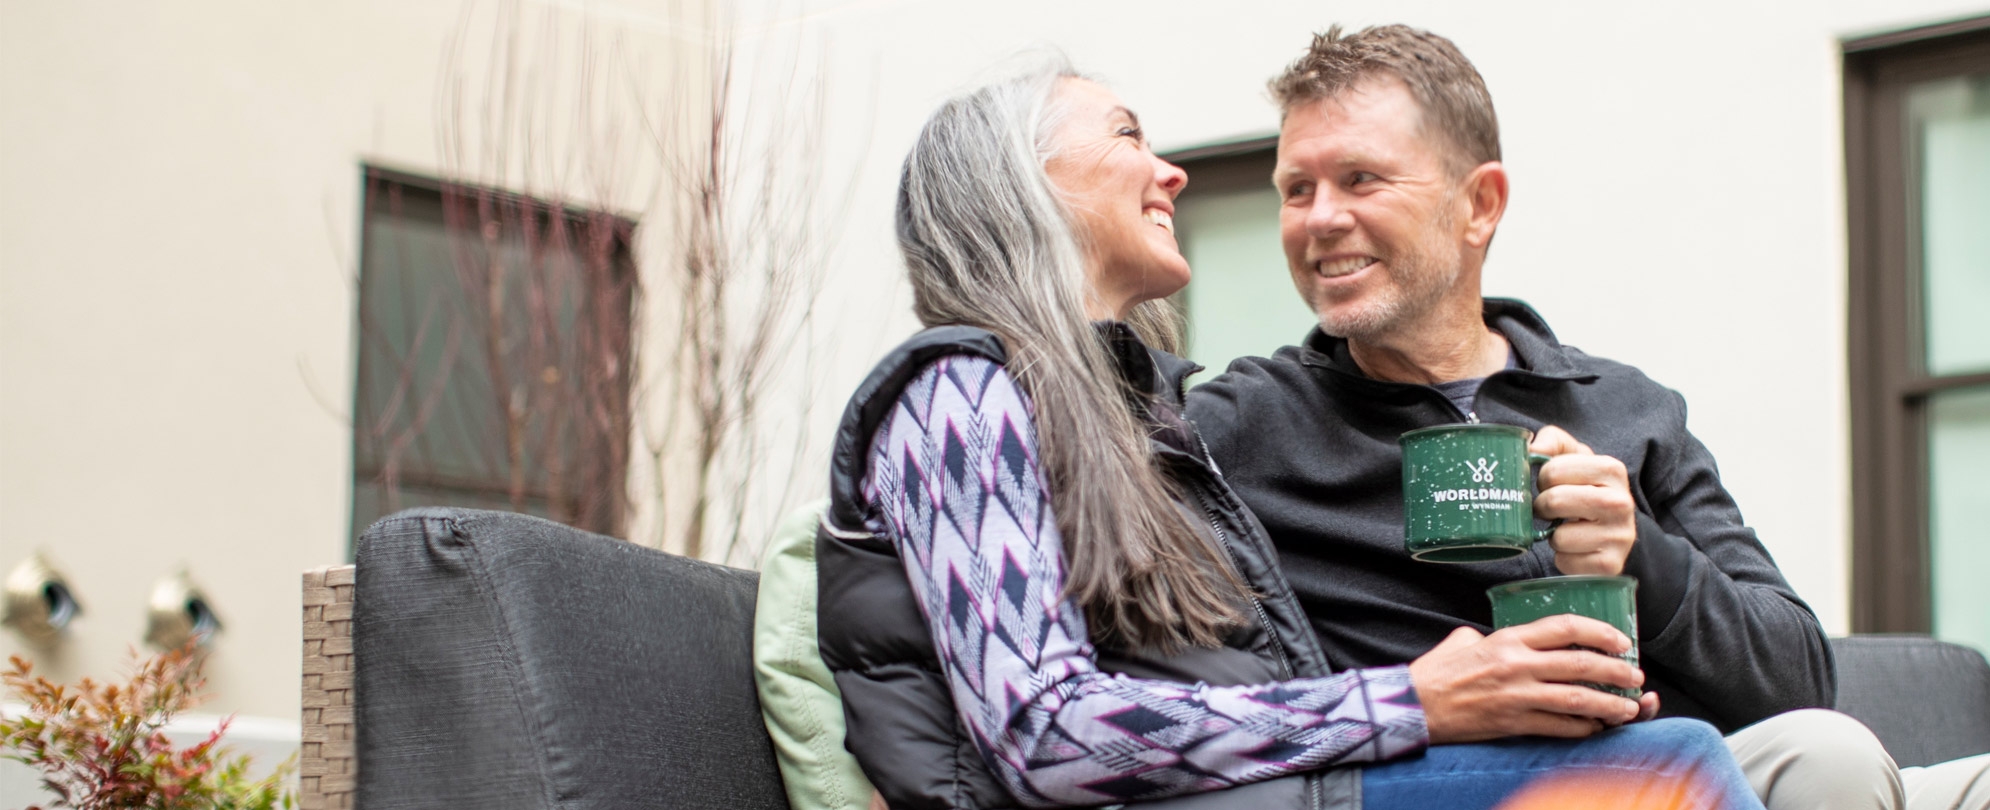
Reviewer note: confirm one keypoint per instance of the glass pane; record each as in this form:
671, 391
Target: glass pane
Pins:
425, 392
1241, 300
1959, 514
490, 331
1950, 128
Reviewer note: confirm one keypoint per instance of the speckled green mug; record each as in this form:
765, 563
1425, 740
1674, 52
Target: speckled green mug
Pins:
1612, 600
1467, 496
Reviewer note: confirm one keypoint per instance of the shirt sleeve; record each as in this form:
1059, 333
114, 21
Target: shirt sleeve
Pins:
1700, 566
953, 474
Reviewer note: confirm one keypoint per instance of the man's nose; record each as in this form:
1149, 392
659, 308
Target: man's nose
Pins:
1329, 215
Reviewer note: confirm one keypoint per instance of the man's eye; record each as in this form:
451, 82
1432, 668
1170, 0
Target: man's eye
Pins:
1132, 132
1298, 190
1362, 177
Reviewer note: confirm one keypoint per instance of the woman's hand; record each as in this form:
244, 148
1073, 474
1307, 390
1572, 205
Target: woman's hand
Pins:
1521, 680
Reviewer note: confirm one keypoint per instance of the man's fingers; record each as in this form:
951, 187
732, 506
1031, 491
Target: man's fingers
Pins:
1554, 441
1587, 469
1569, 630
1591, 548
1595, 563
1585, 537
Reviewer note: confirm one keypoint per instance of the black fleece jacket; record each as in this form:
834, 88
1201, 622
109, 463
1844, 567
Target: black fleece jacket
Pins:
1309, 443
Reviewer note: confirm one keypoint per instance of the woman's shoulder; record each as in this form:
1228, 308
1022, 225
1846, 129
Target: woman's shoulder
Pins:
939, 341
964, 384
916, 356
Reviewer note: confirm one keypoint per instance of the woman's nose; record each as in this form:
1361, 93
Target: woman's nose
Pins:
1170, 177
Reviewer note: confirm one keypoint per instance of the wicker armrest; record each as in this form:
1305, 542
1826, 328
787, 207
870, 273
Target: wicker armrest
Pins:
326, 766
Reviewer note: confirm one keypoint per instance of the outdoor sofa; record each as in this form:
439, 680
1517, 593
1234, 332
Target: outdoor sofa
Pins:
491, 660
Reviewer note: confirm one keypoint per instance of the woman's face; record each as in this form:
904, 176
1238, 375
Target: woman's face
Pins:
1121, 197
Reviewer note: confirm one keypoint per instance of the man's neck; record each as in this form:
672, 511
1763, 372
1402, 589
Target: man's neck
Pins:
1446, 348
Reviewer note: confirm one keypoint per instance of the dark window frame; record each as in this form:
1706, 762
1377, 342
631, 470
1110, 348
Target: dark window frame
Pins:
1228, 166
392, 193
1890, 387
1238, 165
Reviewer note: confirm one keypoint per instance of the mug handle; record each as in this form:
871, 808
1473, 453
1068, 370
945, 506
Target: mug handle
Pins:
1536, 460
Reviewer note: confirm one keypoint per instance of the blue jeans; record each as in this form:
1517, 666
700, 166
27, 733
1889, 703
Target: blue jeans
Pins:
1675, 762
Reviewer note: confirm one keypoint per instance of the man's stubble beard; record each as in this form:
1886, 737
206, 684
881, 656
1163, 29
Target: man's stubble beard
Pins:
1421, 282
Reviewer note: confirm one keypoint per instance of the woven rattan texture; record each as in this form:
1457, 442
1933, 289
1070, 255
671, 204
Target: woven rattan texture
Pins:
326, 766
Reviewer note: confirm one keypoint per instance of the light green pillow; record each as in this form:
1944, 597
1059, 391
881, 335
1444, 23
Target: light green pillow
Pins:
798, 698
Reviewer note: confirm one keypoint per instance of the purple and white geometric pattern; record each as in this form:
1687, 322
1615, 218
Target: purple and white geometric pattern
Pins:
954, 472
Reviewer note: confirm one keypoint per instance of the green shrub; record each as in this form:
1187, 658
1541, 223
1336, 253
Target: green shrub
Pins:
99, 746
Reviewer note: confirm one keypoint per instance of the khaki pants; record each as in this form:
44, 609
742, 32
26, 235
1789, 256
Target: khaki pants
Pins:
1814, 759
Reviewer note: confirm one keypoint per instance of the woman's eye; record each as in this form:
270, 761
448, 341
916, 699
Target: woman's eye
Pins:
1132, 132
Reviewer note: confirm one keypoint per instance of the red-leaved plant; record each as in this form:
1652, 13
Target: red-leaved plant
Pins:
99, 746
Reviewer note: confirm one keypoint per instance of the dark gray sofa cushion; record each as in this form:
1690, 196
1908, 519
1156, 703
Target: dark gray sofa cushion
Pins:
1928, 701
510, 662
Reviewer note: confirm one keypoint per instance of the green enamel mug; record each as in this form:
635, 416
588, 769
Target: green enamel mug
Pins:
1467, 493
1611, 600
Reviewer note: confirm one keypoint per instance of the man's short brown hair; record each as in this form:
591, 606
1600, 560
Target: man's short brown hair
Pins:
1443, 82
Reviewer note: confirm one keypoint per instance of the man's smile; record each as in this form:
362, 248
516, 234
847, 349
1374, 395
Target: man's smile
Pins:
1342, 266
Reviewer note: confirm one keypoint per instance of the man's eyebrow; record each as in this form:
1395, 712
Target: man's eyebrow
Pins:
1351, 158
1130, 115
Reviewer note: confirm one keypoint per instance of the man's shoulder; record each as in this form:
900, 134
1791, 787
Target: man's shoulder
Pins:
1617, 376
1546, 353
1258, 386
1609, 402
1247, 377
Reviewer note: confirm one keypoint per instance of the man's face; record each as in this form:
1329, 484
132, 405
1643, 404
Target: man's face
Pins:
1371, 219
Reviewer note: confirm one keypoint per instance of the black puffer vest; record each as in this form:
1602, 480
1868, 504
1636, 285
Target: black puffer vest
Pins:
903, 727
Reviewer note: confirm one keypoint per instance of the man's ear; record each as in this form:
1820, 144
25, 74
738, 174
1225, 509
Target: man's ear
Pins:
1485, 189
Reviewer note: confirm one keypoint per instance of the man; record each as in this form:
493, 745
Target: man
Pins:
1392, 187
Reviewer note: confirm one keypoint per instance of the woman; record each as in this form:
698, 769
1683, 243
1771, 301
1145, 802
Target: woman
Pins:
1035, 588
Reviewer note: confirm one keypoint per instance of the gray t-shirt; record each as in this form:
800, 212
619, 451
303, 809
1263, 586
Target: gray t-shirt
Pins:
1462, 392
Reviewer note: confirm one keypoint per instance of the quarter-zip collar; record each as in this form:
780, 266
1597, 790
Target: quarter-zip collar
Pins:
1541, 356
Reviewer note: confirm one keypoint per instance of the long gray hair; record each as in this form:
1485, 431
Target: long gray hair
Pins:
988, 243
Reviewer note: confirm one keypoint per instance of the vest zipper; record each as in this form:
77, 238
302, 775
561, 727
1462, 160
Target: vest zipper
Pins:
1257, 607
1223, 539
1314, 798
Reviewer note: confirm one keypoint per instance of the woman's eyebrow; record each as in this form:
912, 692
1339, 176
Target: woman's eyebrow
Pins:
1130, 116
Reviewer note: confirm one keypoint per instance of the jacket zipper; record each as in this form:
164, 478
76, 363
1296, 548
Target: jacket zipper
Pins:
1314, 798
1257, 607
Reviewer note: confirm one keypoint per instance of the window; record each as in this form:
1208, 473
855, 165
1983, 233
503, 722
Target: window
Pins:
1242, 302
1917, 138
493, 354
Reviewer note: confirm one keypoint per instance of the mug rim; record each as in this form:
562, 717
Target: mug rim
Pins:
1540, 583
1465, 427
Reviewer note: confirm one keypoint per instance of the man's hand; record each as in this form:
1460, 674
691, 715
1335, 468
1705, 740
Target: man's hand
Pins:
1519, 681
1591, 495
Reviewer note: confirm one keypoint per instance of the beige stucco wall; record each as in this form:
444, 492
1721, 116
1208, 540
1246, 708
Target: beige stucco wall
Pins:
179, 210
179, 223
1677, 176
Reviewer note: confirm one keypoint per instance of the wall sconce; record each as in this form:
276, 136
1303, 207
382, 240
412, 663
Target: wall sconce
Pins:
179, 613
39, 603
